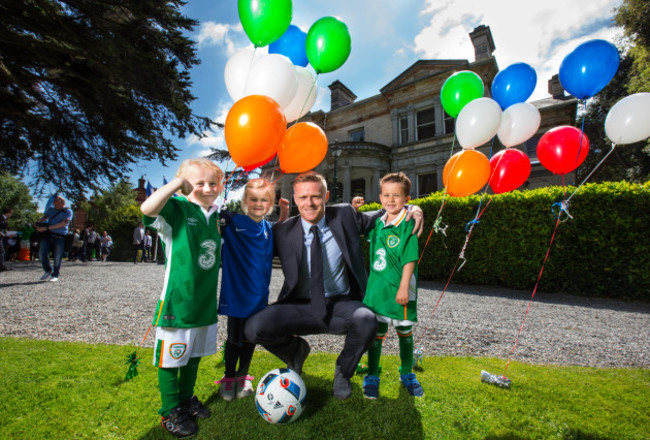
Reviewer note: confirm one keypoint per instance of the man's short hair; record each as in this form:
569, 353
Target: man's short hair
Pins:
397, 178
310, 176
6, 210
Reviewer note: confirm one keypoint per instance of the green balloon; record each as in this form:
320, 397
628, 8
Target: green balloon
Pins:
265, 21
328, 44
459, 89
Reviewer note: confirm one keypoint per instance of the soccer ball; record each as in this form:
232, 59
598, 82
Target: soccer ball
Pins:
280, 396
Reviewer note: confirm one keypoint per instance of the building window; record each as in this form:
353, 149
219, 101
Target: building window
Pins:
357, 135
426, 123
530, 147
358, 187
403, 129
427, 184
450, 123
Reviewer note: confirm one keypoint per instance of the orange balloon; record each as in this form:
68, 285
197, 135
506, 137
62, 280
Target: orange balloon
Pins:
465, 173
304, 147
254, 129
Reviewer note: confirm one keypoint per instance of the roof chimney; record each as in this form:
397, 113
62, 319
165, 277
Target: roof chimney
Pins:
340, 95
483, 42
555, 88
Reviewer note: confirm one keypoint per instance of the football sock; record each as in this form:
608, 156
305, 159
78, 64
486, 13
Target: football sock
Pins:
230, 355
405, 349
187, 379
168, 384
374, 352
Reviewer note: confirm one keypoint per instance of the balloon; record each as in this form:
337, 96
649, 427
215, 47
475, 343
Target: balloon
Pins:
459, 89
305, 95
519, 122
328, 44
513, 84
465, 173
560, 149
259, 164
236, 72
254, 129
628, 121
304, 147
264, 21
273, 76
292, 45
510, 169
589, 68
478, 122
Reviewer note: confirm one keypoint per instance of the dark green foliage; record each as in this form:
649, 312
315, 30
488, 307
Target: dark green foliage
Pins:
88, 87
120, 224
603, 251
16, 195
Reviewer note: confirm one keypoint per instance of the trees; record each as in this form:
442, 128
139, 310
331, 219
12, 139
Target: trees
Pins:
105, 202
90, 86
15, 194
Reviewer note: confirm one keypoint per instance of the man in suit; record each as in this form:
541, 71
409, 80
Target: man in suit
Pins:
325, 282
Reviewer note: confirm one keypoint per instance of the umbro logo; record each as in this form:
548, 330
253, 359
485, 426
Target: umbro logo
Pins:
192, 221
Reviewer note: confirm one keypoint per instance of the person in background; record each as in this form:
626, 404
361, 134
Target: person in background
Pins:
138, 243
53, 227
77, 245
4, 216
147, 244
106, 244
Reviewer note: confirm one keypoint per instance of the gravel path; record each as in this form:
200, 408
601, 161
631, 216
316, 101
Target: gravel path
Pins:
113, 303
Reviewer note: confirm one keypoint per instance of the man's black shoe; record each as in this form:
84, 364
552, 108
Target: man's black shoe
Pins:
196, 408
179, 423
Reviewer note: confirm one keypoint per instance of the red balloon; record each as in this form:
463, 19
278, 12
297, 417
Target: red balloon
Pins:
510, 169
561, 149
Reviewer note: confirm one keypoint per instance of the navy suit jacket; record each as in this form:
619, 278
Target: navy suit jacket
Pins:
347, 225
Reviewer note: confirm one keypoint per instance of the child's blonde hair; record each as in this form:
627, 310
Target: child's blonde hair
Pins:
397, 178
201, 162
257, 184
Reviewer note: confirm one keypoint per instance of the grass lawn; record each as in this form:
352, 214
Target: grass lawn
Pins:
60, 390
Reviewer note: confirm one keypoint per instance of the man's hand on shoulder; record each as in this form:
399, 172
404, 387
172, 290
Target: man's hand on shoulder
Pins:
415, 213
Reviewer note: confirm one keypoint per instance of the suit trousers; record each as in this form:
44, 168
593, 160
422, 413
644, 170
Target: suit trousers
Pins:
275, 328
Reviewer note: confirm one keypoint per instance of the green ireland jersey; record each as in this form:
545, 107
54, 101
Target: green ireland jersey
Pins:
391, 247
192, 245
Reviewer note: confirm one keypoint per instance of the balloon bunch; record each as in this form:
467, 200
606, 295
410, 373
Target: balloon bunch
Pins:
275, 88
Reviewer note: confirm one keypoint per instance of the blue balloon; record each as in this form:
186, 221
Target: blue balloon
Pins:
589, 68
292, 45
513, 84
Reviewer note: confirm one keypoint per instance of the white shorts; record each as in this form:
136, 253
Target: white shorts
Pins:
394, 322
175, 346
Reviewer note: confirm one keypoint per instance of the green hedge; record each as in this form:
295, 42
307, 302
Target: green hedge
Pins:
604, 250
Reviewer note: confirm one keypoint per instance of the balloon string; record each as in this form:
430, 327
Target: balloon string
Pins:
313, 84
431, 232
592, 171
557, 223
582, 129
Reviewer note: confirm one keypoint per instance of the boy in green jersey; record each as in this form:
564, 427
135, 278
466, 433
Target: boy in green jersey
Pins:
392, 289
186, 314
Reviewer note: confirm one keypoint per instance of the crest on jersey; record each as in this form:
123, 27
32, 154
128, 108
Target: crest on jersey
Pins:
392, 241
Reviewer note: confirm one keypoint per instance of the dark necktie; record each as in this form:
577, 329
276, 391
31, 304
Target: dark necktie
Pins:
317, 285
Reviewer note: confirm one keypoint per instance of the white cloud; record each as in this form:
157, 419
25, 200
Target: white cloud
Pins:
219, 34
540, 35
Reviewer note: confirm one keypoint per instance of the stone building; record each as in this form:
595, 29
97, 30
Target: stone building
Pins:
404, 128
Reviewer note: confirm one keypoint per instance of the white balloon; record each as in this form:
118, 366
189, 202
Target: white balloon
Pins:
273, 75
305, 95
629, 120
519, 122
478, 122
236, 72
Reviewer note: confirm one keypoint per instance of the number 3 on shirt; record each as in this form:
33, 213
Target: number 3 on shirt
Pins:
208, 257
380, 261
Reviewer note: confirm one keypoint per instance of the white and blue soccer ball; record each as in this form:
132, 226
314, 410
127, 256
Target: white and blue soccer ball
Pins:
280, 396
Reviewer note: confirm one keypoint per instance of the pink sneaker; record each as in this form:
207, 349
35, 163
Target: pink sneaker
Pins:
227, 388
244, 386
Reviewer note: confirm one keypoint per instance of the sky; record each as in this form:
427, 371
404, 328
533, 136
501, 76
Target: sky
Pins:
388, 36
